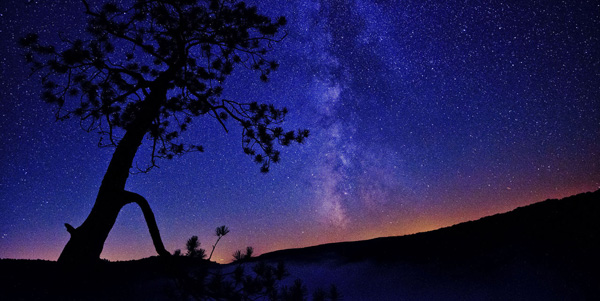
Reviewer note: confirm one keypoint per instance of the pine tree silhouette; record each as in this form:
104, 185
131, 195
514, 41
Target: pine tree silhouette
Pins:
193, 248
146, 70
219, 232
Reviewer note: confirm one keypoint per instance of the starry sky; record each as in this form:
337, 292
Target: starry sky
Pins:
422, 114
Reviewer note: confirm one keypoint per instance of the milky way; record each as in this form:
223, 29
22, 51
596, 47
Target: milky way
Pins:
422, 114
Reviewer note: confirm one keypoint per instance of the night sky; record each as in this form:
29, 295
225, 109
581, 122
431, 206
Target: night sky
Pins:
422, 114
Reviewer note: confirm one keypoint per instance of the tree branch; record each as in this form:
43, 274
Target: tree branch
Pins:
132, 197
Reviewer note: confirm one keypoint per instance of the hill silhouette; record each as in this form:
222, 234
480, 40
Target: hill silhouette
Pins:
545, 251
553, 227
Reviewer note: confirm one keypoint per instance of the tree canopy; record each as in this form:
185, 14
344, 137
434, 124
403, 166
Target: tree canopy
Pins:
184, 49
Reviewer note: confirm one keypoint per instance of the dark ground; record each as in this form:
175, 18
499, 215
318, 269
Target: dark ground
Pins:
546, 251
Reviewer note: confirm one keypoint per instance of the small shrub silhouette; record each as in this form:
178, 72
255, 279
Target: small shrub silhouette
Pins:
297, 292
239, 256
193, 248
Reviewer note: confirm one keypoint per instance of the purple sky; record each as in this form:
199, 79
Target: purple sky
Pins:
422, 114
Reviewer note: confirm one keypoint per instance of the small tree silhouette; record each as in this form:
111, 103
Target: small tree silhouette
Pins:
219, 232
249, 253
193, 248
239, 256
297, 292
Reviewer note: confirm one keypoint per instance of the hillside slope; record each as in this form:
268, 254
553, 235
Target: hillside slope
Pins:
546, 250
565, 225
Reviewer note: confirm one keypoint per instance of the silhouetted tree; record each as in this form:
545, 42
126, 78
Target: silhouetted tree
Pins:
239, 256
249, 253
146, 70
193, 248
219, 232
297, 292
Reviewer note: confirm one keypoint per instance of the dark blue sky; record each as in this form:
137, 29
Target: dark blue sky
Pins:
422, 114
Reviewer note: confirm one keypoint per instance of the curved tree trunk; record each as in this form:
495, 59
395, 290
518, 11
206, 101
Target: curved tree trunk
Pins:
150, 221
87, 241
